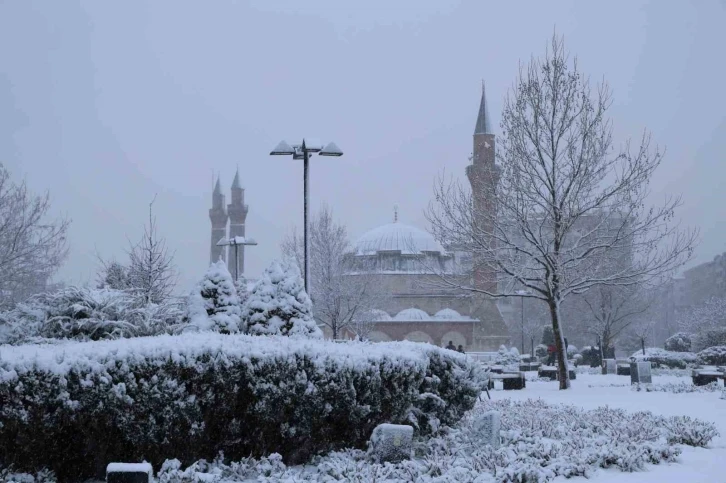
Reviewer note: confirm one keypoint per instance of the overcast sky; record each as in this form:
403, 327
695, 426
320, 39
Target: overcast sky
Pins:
107, 103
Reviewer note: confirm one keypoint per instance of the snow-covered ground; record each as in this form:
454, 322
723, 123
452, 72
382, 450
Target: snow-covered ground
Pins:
589, 391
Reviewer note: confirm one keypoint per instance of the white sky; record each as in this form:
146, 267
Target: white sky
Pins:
106, 104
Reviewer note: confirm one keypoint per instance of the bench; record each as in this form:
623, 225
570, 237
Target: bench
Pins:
510, 381
551, 373
706, 375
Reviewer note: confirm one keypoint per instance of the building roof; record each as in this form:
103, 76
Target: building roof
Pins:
482, 119
407, 239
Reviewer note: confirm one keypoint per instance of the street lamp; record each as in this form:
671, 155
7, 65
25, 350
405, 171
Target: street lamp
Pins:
302, 151
236, 241
522, 294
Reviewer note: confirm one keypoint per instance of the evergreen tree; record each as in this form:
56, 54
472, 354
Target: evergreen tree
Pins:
242, 292
279, 305
214, 304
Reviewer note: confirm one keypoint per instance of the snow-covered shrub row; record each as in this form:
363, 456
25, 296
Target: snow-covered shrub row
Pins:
678, 342
507, 357
676, 387
7, 475
708, 338
713, 356
74, 406
663, 358
588, 370
87, 314
276, 305
540, 442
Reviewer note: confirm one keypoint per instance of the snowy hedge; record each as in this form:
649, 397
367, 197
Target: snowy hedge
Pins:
663, 358
713, 356
540, 442
678, 342
73, 407
86, 314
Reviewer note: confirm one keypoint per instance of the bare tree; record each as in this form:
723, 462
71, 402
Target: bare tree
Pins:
151, 269
343, 293
611, 309
32, 247
563, 199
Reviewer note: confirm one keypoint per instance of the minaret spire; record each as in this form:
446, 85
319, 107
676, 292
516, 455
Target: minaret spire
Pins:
482, 120
235, 182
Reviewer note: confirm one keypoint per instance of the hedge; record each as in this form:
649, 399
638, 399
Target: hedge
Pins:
74, 407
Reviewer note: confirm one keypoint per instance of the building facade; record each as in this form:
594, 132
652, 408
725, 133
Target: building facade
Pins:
408, 261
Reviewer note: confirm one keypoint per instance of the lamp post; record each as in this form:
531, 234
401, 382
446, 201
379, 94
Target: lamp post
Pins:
302, 151
236, 241
522, 294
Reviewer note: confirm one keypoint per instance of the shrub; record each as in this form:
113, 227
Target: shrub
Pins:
74, 407
713, 356
540, 350
214, 304
279, 305
709, 338
590, 356
663, 358
88, 314
540, 443
507, 357
679, 342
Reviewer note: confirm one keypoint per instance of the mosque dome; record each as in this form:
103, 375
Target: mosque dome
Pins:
412, 314
407, 239
379, 315
448, 314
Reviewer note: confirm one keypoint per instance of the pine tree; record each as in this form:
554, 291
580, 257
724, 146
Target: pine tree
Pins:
279, 305
242, 292
215, 297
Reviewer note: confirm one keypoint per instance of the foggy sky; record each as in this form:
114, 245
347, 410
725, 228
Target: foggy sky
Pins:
106, 104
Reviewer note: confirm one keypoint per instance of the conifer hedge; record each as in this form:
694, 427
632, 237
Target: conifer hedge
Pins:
75, 407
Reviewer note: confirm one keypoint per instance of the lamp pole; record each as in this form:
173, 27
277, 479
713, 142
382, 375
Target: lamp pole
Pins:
302, 151
521, 294
236, 241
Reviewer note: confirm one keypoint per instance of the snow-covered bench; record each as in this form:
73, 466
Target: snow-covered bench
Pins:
510, 380
129, 473
552, 373
707, 374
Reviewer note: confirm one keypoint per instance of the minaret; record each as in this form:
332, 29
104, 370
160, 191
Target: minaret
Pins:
237, 215
483, 175
218, 216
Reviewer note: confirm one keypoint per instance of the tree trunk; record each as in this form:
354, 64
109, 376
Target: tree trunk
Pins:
642, 344
562, 369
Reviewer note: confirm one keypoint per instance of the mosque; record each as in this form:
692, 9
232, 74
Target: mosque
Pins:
405, 259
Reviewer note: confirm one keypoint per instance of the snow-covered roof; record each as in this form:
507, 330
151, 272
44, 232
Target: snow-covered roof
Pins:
448, 314
396, 236
412, 314
379, 315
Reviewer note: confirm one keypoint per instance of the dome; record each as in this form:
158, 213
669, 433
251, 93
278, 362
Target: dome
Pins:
378, 315
407, 239
412, 314
448, 314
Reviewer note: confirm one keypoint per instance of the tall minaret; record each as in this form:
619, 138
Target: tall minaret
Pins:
218, 216
237, 215
483, 175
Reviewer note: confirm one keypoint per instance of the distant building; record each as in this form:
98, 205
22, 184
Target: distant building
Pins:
220, 215
406, 261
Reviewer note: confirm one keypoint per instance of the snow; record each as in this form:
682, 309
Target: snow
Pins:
412, 314
129, 468
589, 391
63, 357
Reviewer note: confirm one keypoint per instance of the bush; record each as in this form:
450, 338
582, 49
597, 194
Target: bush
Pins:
279, 305
590, 356
709, 338
214, 304
540, 443
679, 342
663, 358
713, 356
74, 407
87, 314
540, 350
507, 357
